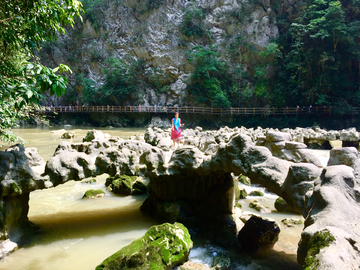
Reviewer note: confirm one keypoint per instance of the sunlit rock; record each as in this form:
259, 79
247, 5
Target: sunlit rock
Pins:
163, 246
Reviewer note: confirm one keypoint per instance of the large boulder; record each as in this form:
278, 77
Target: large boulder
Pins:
162, 247
348, 156
299, 185
16, 171
185, 158
331, 237
68, 164
258, 231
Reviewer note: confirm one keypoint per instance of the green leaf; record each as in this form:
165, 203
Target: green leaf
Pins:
29, 93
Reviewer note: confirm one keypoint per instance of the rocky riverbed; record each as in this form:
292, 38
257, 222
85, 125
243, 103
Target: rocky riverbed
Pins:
194, 184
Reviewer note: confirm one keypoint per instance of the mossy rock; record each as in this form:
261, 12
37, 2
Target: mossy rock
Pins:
92, 194
14, 189
244, 179
256, 193
89, 181
243, 193
138, 188
259, 207
162, 247
122, 184
67, 135
238, 205
291, 222
282, 206
318, 241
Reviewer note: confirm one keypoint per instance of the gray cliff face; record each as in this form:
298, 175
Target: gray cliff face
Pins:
131, 29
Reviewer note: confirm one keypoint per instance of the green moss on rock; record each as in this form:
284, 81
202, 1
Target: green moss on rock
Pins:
92, 193
256, 193
244, 179
318, 241
282, 206
162, 247
122, 184
126, 185
138, 188
14, 189
89, 181
243, 193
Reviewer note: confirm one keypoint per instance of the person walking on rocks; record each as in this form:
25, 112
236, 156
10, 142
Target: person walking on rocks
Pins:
176, 129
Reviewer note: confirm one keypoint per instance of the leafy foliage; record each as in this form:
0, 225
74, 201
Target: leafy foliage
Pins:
193, 23
320, 63
23, 26
95, 12
206, 81
121, 85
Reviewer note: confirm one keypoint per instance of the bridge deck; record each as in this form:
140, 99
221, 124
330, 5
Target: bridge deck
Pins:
193, 110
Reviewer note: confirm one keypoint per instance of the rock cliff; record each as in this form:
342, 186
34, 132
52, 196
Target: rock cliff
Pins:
153, 38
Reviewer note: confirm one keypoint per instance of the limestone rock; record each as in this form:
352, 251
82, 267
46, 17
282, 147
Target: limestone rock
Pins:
164, 245
16, 173
256, 232
33, 157
185, 158
334, 214
259, 207
244, 179
282, 206
94, 134
292, 222
277, 137
299, 185
93, 194
69, 165
125, 185
347, 156
256, 193
67, 135
189, 265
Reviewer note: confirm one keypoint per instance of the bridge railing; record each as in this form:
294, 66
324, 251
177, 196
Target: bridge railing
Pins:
193, 110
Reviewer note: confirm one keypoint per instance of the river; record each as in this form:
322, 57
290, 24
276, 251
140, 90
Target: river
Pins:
80, 234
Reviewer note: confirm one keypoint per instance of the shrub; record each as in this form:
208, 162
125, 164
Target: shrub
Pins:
193, 23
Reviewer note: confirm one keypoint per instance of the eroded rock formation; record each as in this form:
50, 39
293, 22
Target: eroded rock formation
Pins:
194, 182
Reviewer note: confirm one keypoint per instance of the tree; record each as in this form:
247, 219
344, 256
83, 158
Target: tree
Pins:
24, 25
209, 77
321, 58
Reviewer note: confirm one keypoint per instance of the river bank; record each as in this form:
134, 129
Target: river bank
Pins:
77, 234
